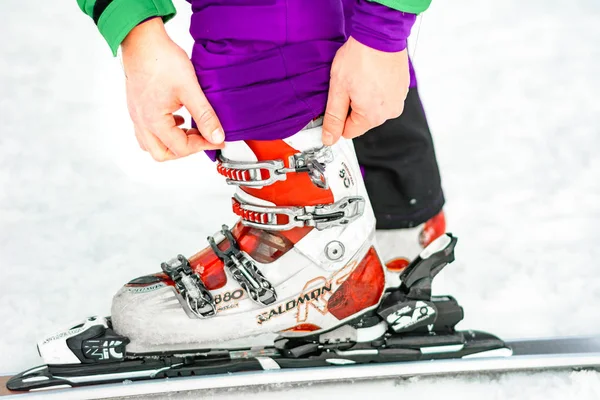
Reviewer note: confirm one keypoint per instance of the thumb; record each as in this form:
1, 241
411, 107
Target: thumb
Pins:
338, 104
203, 114
356, 125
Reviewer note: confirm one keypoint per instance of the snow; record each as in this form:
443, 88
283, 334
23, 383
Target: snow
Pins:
511, 92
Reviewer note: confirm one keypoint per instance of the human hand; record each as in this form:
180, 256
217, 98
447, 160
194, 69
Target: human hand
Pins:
160, 80
372, 83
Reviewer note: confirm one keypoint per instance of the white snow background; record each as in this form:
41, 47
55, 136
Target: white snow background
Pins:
511, 90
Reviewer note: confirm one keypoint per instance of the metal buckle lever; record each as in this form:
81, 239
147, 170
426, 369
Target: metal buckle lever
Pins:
341, 212
314, 161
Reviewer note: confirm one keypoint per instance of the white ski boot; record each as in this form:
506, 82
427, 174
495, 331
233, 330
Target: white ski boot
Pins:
399, 247
301, 260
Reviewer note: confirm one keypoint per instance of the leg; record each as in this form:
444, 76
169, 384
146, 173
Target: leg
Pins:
402, 178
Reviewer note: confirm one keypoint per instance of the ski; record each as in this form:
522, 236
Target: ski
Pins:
527, 355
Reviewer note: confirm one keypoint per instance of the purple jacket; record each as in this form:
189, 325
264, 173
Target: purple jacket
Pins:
264, 64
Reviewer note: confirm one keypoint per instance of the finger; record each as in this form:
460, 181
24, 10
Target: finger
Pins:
179, 120
209, 145
180, 142
336, 112
140, 138
356, 125
157, 149
171, 136
199, 142
202, 112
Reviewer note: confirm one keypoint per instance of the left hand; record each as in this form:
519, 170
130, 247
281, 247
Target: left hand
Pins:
372, 83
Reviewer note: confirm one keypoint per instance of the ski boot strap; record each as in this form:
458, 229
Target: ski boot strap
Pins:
341, 212
264, 173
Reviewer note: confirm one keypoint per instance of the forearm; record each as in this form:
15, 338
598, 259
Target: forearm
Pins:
116, 18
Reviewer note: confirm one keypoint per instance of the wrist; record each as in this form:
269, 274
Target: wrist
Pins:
116, 18
145, 32
380, 27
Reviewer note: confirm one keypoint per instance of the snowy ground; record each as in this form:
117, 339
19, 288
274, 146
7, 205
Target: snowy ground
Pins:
511, 91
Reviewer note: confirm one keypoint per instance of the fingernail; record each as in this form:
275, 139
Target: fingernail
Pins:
327, 138
217, 136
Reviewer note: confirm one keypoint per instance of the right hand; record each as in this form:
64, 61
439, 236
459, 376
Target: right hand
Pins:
160, 80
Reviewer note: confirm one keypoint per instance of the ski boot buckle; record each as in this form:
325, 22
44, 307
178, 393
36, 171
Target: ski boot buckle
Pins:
243, 270
324, 216
191, 288
265, 173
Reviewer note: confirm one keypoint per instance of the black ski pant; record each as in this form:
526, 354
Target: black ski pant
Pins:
400, 169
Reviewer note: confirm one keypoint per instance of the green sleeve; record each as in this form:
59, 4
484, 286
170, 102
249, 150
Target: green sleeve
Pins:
115, 18
409, 6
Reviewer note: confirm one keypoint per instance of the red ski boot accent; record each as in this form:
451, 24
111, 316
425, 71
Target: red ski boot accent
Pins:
433, 229
263, 246
303, 328
397, 264
361, 290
